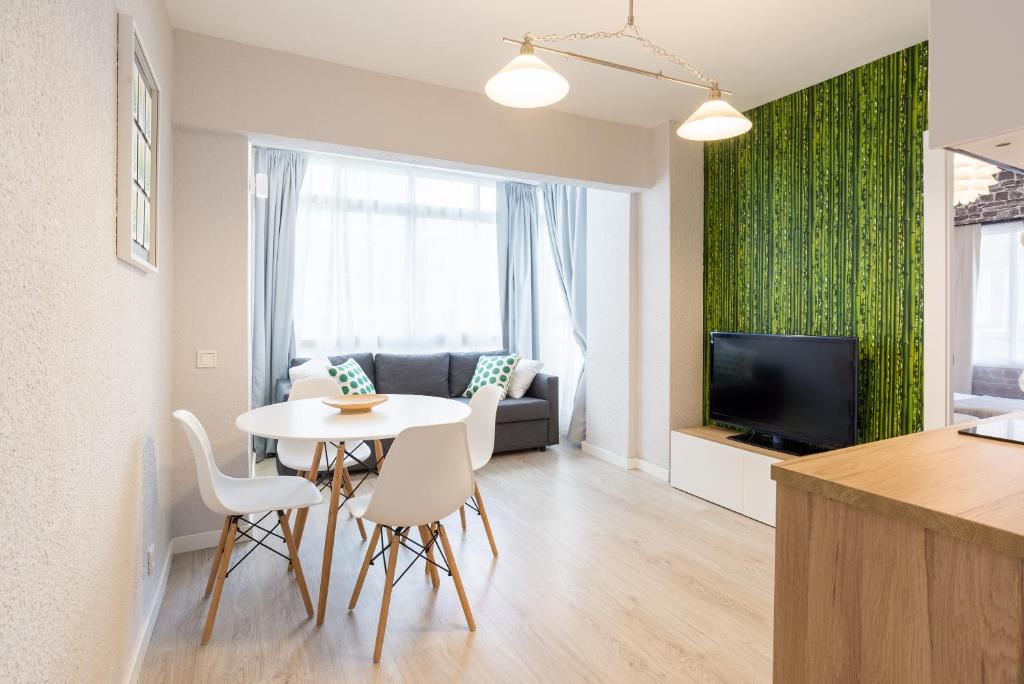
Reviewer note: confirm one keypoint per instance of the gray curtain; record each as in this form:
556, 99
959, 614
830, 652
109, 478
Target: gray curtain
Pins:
964, 264
273, 272
517, 219
565, 209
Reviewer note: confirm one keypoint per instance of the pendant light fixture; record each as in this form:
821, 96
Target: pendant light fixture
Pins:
972, 178
527, 81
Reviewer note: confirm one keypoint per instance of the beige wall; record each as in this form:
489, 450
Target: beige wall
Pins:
85, 420
227, 86
686, 304
210, 308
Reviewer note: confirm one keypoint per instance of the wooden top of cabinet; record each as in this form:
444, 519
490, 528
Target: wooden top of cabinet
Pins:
713, 433
967, 487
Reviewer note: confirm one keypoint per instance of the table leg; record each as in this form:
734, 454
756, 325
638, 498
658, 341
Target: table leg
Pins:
332, 524
346, 482
378, 453
300, 516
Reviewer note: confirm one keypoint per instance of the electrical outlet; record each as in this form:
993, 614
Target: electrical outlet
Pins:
150, 559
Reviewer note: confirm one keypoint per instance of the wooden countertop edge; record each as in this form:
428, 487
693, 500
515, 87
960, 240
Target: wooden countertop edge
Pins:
966, 530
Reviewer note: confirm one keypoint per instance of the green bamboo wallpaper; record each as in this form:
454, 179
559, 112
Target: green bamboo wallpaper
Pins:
813, 224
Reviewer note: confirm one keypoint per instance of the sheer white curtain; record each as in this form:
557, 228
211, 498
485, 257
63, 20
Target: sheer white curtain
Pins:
559, 351
395, 257
999, 302
964, 266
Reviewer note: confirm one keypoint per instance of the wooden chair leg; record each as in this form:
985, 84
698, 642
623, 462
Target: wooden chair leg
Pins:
216, 556
385, 602
378, 453
332, 525
346, 481
487, 522
300, 517
425, 536
286, 531
462, 517
370, 550
456, 577
218, 586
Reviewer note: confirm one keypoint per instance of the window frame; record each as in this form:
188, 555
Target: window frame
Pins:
131, 51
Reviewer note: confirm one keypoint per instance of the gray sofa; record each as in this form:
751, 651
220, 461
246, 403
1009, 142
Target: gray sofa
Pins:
527, 423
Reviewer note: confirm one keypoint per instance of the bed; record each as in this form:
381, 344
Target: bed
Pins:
984, 406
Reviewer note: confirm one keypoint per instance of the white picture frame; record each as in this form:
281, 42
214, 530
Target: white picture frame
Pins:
138, 150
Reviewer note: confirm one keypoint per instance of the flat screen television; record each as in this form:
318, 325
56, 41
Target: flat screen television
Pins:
794, 393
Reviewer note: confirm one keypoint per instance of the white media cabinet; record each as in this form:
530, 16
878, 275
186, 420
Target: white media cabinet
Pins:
737, 476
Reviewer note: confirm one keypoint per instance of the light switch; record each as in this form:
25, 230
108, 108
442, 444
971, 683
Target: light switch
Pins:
206, 358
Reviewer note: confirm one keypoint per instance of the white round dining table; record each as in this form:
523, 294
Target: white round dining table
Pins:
312, 420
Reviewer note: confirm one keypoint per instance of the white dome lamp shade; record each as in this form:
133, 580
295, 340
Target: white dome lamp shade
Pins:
527, 82
716, 119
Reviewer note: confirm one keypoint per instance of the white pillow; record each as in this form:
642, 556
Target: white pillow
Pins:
316, 367
522, 377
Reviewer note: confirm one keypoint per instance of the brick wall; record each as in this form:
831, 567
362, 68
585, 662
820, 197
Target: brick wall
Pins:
1005, 202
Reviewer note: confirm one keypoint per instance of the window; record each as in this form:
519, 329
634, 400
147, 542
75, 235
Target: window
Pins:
393, 257
999, 302
138, 108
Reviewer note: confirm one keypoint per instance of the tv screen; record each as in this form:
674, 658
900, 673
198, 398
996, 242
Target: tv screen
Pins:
800, 388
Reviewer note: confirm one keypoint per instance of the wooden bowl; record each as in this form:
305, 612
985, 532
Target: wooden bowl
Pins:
356, 403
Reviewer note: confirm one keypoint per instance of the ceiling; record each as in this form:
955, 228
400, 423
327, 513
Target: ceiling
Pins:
760, 49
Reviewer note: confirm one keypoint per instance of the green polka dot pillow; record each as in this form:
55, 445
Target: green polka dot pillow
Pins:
351, 378
492, 370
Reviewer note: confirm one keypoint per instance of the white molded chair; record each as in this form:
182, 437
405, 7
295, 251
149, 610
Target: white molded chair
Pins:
480, 426
235, 498
298, 454
428, 475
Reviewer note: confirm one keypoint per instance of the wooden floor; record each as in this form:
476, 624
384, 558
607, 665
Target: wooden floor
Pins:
604, 575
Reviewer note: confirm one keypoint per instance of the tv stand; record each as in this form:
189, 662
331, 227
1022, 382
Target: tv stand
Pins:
707, 462
776, 443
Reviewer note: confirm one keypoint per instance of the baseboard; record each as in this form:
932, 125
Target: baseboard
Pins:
194, 542
626, 463
643, 466
605, 455
150, 622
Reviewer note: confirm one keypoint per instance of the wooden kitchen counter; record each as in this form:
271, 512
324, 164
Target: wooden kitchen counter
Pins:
967, 487
901, 560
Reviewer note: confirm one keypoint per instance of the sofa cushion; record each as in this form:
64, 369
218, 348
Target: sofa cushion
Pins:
364, 359
351, 378
518, 410
461, 367
412, 374
492, 370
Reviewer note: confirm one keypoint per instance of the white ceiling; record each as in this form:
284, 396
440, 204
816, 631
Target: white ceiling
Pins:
761, 49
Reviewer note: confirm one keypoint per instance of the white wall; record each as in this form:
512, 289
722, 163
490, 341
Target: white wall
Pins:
231, 87
652, 324
85, 420
668, 299
608, 321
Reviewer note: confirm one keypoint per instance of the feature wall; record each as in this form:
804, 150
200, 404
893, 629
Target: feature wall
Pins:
813, 224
